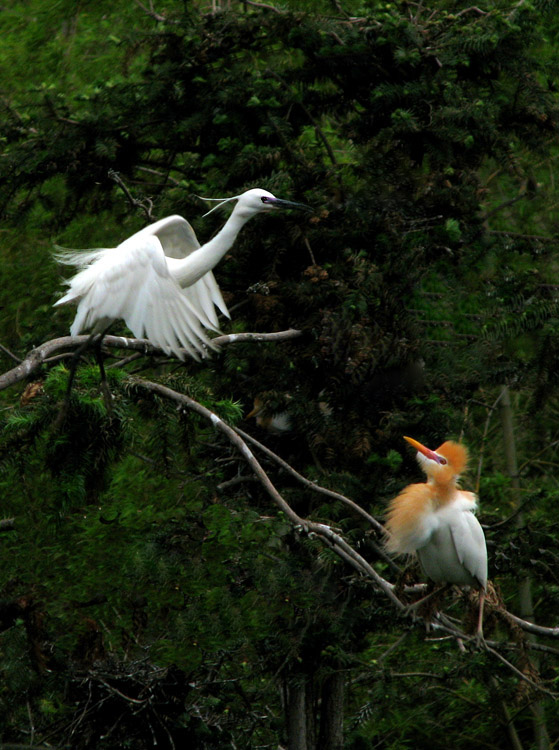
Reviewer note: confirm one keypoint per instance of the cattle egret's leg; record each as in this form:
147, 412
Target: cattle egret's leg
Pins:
479, 630
412, 608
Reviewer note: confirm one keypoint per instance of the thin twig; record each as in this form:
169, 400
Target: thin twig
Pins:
329, 493
9, 353
146, 205
518, 235
491, 409
264, 6
506, 204
312, 485
317, 128
519, 508
518, 673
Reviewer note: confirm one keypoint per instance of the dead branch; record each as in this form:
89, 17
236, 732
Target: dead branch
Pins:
531, 627
320, 530
9, 353
41, 354
264, 6
311, 485
324, 491
150, 11
146, 205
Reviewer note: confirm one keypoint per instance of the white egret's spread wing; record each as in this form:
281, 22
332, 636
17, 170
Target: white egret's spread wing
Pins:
133, 282
177, 237
178, 240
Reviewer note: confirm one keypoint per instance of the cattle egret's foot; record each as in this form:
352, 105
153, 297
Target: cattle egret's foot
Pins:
411, 609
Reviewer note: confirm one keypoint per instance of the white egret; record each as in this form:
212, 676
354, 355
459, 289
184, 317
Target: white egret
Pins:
435, 520
160, 280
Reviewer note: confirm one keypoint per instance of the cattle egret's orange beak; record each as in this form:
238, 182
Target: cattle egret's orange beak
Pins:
427, 452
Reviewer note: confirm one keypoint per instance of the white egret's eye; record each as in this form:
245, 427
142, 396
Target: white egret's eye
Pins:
264, 199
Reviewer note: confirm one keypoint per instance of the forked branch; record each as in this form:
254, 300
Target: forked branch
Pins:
325, 533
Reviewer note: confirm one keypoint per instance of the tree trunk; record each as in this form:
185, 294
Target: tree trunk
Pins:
525, 584
296, 716
331, 735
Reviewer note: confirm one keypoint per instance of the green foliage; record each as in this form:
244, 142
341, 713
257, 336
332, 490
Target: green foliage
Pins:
142, 563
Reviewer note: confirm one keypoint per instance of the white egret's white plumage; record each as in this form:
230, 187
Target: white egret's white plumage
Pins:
160, 280
435, 520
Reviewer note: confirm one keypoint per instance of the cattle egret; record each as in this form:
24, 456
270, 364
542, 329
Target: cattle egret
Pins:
435, 520
160, 280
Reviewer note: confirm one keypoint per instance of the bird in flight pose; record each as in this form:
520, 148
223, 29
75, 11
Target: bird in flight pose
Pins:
160, 280
435, 520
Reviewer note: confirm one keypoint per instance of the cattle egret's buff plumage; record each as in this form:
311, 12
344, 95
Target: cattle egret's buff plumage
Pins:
435, 520
159, 280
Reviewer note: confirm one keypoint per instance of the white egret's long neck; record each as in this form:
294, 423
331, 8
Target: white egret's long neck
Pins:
188, 270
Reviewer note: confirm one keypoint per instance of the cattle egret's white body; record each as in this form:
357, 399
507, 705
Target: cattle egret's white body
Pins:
160, 280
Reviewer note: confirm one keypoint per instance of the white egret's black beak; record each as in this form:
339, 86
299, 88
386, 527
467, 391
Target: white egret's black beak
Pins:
279, 203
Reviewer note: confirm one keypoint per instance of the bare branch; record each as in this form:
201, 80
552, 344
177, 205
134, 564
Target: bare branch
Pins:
323, 531
239, 338
157, 172
474, 8
329, 493
265, 6
9, 353
150, 11
518, 673
312, 485
235, 481
318, 130
506, 204
535, 237
37, 357
531, 627
146, 205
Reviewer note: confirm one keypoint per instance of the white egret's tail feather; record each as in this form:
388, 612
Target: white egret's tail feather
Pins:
78, 258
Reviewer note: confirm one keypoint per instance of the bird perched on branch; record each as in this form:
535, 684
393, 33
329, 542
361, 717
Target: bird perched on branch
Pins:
435, 520
160, 280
